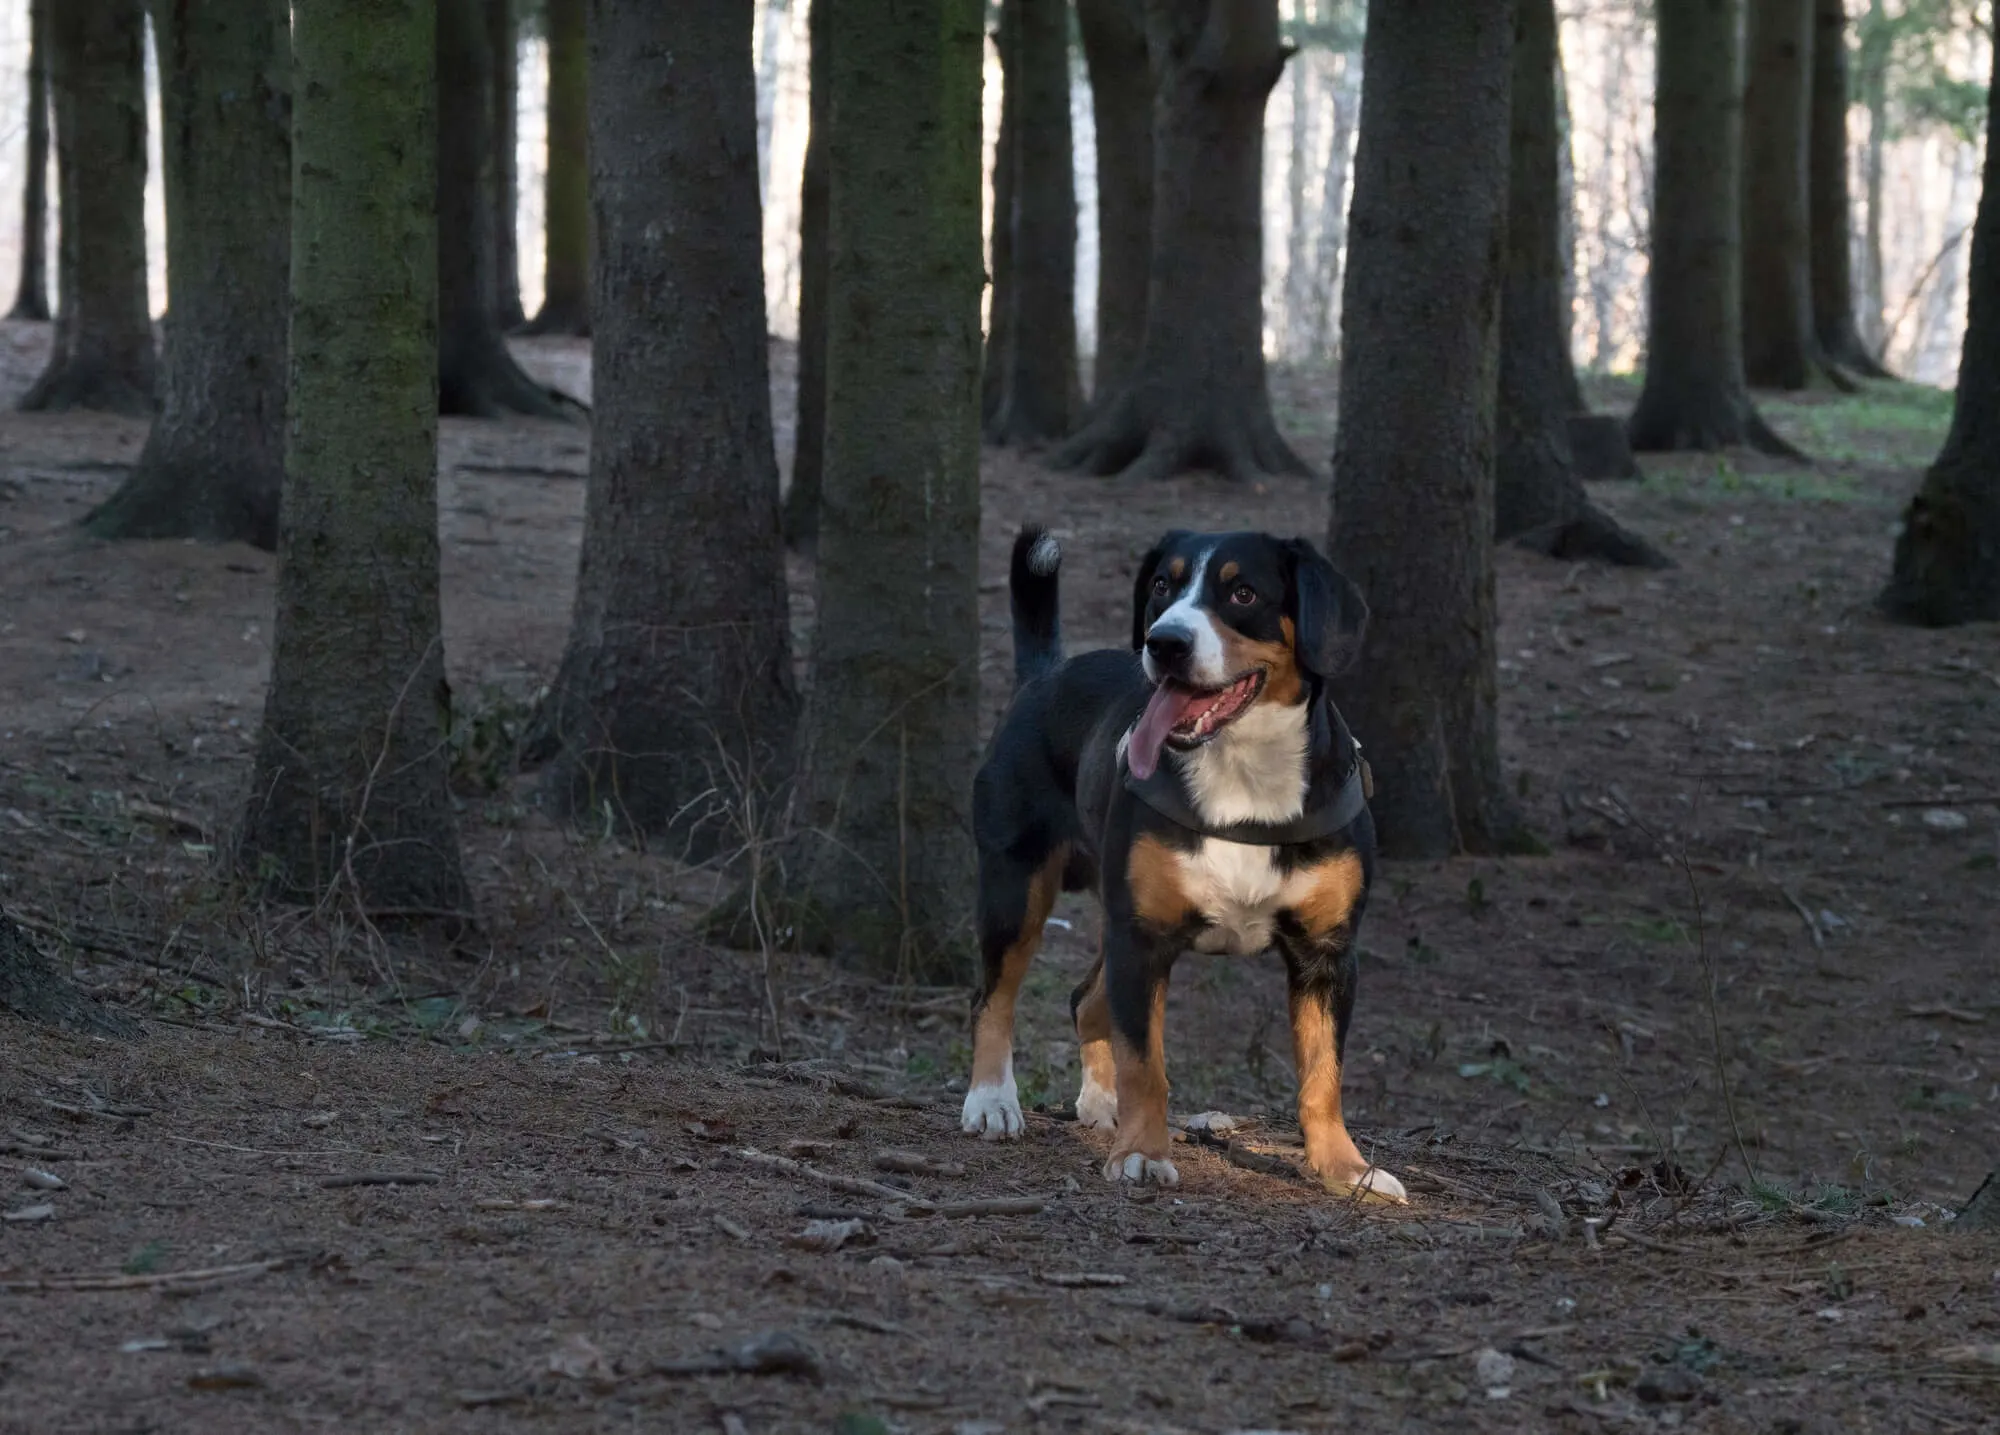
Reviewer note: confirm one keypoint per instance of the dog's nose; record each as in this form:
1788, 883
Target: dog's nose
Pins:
1169, 646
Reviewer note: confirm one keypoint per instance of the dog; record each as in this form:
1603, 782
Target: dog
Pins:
1205, 786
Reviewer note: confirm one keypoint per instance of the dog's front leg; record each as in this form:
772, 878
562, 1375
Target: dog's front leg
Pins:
1145, 917
1321, 975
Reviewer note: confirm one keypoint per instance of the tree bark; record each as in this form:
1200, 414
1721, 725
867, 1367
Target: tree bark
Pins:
1875, 95
214, 462
476, 374
1947, 567
566, 187
1000, 236
891, 740
1537, 492
506, 120
103, 352
1040, 398
1414, 452
1344, 97
31, 299
1121, 102
1695, 396
1198, 398
675, 709
1981, 1212
809, 429
1778, 347
34, 990
1831, 217
348, 796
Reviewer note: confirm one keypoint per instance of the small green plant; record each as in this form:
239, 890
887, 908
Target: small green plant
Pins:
145, 1260
1503, 1069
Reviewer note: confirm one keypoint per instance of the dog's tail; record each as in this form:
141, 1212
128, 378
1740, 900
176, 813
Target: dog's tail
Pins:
1032, 588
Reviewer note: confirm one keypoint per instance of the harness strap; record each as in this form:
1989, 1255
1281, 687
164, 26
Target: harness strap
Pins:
1163, 793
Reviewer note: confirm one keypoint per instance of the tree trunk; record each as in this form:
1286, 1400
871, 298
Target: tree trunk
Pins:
1947, 568
103, 352
1198, 399
809, 429
1875, 94
1414, 450
214, 462
1778, 347
1573, 401
1695, 396
675, 708
1981, 1213
892, 727
348, 796
1830, 217
1040, 398
1537, 493
1296, 338
566, 184
34, 990
31, 300
506, 119
1344, 96
476, 373
1000, 236
1121, 103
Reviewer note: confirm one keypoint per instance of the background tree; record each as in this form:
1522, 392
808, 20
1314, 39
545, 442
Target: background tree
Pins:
102, 357
892, 726
566, 182
675, 705
1197, 397
348, 793
1694, 395
33, 988
1830, 217
476, 373
1413, 455
1947, 567
1121, 106
1040, 398
214, 461
1778, 347
31, 299
809, 427
1000, 237
1538, 495
501, 27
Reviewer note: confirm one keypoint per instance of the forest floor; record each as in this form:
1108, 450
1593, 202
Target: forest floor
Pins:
1773, 823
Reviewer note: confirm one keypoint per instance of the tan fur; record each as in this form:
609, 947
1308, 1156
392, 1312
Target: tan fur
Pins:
1283, 684
993, 1033
1329, 1149
1093, 1032
1332, 888
1142, 1089
1228, 572
1154, 873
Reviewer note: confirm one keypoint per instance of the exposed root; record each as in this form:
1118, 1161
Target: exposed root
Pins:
482, 381
1122, 440
100, 388
1593, 534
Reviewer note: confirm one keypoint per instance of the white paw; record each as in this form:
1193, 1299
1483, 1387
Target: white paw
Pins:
1140, 1170
1375, 1185
1096, 1105
993, 1113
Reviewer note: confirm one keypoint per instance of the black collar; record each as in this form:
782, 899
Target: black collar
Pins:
1341, 800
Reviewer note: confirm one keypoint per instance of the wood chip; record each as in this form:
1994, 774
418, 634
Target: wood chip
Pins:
1083, 1278
42, 1180
30, 1213
731, 1229
915, 1163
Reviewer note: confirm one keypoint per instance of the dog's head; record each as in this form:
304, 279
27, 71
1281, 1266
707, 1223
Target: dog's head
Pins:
1227, 621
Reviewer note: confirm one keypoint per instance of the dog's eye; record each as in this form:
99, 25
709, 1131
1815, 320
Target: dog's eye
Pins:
1243, 595
1160, 587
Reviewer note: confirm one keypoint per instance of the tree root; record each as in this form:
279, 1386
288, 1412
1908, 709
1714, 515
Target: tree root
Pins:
483, 382
33, 989
1593, 534
99, 388
559, 316
185, 500
1121, 439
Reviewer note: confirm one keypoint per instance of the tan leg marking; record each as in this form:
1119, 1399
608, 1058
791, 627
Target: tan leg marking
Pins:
1154, 873
1139, 1151
1329, 1149
1330, 891
993, 1034
1097, 1099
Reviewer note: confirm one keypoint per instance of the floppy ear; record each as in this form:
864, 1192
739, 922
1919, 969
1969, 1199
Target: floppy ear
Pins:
1332, 616
1142, 587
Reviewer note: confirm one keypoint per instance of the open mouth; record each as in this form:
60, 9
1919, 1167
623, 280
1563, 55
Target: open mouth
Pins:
1185, 717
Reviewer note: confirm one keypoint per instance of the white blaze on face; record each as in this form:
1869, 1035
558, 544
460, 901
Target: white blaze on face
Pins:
1205, 664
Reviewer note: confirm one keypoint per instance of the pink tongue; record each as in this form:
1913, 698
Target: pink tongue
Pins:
1169, 705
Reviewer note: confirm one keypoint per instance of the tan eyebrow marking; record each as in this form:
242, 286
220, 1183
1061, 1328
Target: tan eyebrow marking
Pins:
1228, 573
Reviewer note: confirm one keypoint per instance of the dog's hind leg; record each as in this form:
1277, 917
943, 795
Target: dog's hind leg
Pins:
1097, 1098
1014, 905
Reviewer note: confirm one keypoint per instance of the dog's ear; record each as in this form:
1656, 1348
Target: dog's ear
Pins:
1331, 614
1142, 586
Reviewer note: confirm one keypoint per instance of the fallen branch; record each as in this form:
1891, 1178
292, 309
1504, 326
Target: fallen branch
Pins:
852, 1185
992, 1206
150, 1281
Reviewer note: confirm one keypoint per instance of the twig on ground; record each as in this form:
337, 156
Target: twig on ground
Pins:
1805, 915
149, 1281
382, 1178
852, 1185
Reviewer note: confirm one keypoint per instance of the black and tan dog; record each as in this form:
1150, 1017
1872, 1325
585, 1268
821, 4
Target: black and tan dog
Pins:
1205, 786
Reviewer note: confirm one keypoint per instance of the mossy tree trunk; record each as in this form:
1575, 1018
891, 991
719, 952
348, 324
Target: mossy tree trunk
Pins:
506, 128
1947, 567
884, 874
214, 462
1831, 216
809, 427
1538, 495
1121, 103
1197, 398
31, 299
1414, 452
566, 182
476, 373
1040, 398
103, 352
675, 709
1695, 396
348, 796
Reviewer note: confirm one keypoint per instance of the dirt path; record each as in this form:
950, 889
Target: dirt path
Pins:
1528, 1029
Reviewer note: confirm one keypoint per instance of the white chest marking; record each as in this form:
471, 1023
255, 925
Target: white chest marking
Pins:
1240, 891
1254, 770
